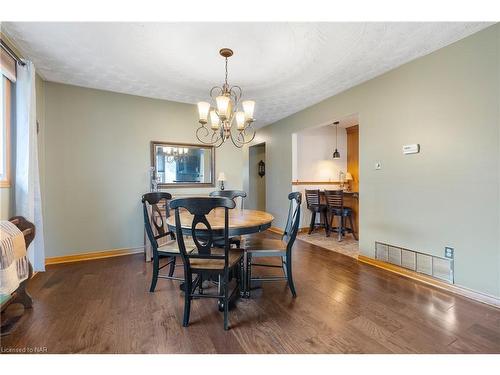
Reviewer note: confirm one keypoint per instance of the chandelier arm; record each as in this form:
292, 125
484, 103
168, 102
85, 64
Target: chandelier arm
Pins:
237, 92
253, 135
219, 138
235, 142
221, 142
218, 135
221, 91
206, 135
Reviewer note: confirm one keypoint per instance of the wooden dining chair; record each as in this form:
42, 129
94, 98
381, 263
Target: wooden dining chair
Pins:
335, 207
207, 260
265, 247
313, 201
163, 242
233, 195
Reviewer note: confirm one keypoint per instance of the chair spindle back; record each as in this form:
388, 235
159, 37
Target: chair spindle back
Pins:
334, 198
312, 197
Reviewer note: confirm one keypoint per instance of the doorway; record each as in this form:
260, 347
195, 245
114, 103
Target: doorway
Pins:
256, 199
315, 168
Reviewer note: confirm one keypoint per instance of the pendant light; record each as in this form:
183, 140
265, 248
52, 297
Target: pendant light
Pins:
336, 153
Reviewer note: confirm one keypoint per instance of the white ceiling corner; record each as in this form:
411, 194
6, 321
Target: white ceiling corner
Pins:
285, 67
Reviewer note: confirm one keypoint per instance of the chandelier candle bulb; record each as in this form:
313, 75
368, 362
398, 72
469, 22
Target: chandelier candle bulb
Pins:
222, 106
214, 119
203, 109
240, 120
248, 107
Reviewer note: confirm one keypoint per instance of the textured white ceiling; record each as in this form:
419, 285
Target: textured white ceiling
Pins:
285, 67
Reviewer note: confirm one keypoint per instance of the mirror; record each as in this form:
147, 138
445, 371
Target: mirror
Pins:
183, 164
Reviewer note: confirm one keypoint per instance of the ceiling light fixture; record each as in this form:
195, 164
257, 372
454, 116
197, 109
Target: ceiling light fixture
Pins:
223, 112
336, 153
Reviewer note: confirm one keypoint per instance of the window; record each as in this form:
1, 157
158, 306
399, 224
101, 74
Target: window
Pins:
7, 77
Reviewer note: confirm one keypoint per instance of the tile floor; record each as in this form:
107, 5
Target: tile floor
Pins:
348, 246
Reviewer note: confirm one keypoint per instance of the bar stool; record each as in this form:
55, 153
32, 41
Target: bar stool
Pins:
314, 205
335, 207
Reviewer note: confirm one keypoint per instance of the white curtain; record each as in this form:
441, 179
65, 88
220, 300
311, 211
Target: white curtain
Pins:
27, 191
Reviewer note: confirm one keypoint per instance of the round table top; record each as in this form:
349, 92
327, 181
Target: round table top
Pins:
240, 221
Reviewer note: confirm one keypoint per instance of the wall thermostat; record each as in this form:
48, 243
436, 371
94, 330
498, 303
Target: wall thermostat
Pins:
411, 149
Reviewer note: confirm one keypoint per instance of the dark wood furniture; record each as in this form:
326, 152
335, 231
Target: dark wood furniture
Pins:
207, 260
240, 221
20, 295
335, 207
233, 195
282, 248
162, 239
315, 205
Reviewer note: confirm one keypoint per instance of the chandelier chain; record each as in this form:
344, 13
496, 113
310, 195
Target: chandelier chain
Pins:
226, 71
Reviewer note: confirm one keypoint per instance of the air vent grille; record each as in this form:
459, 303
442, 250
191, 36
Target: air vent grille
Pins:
437, 267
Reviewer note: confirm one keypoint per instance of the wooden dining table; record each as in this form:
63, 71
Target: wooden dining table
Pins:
241, 221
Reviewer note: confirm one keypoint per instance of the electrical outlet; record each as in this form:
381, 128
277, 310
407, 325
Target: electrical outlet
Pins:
378, 166
449, 252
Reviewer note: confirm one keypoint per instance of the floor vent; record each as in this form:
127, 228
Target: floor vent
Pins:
437, 267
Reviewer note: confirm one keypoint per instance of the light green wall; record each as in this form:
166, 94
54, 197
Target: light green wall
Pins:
96, 159
256, 191
448, 195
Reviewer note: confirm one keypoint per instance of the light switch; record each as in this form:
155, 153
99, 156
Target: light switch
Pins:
378, 166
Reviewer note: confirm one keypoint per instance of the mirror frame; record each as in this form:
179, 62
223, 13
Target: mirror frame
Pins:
161, 185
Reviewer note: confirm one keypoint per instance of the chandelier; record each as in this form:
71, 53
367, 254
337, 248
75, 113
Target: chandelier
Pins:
227, 121
175, 154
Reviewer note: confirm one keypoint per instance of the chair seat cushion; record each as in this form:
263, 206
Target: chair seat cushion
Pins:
235, 256
317, 207
263, 244
346, 211
171, 246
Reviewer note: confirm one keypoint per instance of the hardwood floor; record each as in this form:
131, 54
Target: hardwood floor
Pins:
103, 306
